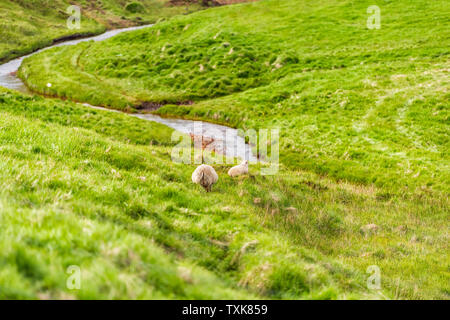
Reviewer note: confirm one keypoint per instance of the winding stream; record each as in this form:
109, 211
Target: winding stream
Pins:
222, 139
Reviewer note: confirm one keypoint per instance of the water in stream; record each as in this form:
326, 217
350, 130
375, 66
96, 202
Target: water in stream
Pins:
233, 145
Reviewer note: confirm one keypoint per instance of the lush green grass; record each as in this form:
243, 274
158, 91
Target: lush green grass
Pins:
77, 196
77, 175
28, 25
363, 105
364, 139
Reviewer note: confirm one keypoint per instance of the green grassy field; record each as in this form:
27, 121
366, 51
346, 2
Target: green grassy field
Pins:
364, 127
106, 200
85, 187
28, 25
363, 105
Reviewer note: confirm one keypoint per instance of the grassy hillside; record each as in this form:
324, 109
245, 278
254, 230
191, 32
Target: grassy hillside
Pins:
106, 200
27, 25
364, 132
363, 105
84, 187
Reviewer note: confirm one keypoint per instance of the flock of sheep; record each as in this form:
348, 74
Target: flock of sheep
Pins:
206, 176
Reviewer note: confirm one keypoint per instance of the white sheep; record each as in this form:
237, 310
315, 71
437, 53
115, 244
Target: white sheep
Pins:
205, 176
239, 169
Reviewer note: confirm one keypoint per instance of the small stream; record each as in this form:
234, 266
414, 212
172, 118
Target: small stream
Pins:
220, 138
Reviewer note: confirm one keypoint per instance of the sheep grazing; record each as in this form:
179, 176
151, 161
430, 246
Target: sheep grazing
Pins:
239, 169
205, 176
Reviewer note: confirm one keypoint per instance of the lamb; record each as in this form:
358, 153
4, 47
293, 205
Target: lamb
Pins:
205, 176
239, 169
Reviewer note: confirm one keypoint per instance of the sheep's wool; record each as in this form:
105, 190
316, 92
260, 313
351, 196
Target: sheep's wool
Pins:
205, 176
239, 169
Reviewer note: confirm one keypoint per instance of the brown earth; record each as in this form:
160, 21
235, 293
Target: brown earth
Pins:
207, 3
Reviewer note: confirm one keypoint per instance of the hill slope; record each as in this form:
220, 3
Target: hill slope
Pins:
84, 187
357, 104
78, 190
28, 25
364, 122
